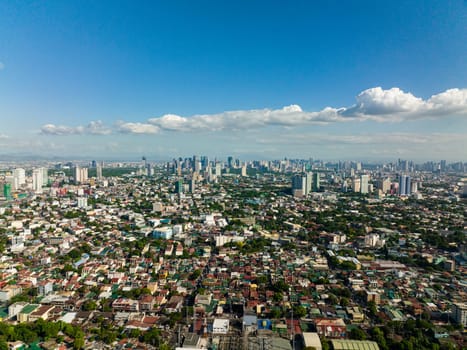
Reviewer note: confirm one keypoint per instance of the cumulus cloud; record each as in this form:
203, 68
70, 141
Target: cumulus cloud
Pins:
377, 104
376, 101
93, 128
396, 105
292, 115
389, 105
137, 128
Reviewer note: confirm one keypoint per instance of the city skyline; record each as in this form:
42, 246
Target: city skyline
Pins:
259, 81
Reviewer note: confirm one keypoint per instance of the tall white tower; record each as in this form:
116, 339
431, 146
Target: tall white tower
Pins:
37, 180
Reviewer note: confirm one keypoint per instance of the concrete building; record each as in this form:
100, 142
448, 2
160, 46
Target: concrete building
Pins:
220, 326
459, 313
356, 185
37, 180
405, 185
364, 183
80, 174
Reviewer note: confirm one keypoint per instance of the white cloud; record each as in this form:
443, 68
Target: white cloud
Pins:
97, 128
137, 128
390, 105
291, 115
2, 66
376, 101
4, 137
377, 104
449, 101
93, 128
396, 105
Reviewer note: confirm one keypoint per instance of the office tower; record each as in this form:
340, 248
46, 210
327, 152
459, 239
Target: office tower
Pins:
308, 183
244, 170
179, 186
414, 187
384, 185
405, 185
302, 184
19, 178
298, 185
37, 179
204, 162
7, 190
408, 185
218, 169
316, 182
45, 176
197, 166
356, 185
99, 167
80, 174
402, 181
192, 185
364, 179
443, 165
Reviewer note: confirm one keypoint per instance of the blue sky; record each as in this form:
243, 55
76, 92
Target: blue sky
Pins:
263, 79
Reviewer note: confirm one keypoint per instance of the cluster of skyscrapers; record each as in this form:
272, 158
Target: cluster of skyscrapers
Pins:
405, 185
304, 184
17, 180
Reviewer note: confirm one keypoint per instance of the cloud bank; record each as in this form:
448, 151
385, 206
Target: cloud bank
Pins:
377, 104
93, 128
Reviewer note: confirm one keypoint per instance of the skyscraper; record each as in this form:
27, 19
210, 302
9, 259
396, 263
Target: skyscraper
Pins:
218, 169
45, 176
302, 185
244, 170
356, 184
316, 182
80, 174
7, 190
99, 170
298, 185
19, 178
37, 179
364, 179
179, 186
405, 184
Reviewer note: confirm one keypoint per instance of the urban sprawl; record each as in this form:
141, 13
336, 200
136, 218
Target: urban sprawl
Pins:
225, 254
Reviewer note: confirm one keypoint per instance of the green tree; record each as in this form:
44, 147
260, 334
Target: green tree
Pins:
278, 296
299, 311
378, 336
357, 334
152, 337
89, 305
275, 313
78, 343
